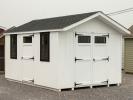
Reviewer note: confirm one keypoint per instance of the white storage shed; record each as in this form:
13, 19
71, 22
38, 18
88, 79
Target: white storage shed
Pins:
66, 52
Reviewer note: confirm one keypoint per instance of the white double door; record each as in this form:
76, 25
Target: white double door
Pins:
91, 58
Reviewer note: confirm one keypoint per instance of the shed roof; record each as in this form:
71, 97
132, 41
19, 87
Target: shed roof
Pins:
51, 23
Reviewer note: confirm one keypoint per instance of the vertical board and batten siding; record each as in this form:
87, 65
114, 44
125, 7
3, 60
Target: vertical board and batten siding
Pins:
128, 55
67, 52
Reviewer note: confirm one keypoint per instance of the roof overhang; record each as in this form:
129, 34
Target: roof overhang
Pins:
104, 17
38, 31
1, 27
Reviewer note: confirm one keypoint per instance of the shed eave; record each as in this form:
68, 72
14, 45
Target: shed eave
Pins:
38, 31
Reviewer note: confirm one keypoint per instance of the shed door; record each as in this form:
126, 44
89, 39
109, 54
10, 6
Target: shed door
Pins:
100, 58
28, 58
83, 59
91, 58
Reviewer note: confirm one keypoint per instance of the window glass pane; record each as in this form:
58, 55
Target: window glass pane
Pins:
44, 46
84, 39
27, 39
13, 46
100, 39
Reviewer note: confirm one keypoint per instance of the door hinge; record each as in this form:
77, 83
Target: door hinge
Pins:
75, 84
77, 59
78, 34
31, 35
106, 35
28, 58
32, 58
106, 59
107, 81
32, 80
102, 59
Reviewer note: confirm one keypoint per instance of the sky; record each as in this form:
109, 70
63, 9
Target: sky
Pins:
17, 12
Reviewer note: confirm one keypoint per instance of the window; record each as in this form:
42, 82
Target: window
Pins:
13, 46
100, 39
84, 39
27, 39
44, 46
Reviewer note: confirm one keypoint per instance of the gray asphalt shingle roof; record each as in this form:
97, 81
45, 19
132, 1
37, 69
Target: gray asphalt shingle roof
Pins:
51, 23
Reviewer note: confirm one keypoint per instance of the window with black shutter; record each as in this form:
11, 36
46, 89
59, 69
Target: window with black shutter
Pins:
13, 46
45, 46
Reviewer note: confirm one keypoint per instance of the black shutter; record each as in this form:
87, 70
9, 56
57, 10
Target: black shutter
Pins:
13, 46
44, 46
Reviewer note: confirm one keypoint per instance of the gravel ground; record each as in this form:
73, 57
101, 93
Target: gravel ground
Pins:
16, 91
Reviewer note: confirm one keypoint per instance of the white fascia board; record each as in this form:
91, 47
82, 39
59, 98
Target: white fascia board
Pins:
125, 31
2, 27
29, 32
116, 24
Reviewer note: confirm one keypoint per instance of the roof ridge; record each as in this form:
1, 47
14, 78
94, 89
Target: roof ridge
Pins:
66, 16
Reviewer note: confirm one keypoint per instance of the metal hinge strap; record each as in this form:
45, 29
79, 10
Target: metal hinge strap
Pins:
78, 34
28, 58
106, 35
77, 59
30, 35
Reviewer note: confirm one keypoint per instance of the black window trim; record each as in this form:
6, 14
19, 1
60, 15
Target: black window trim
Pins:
48, 58
12, 56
